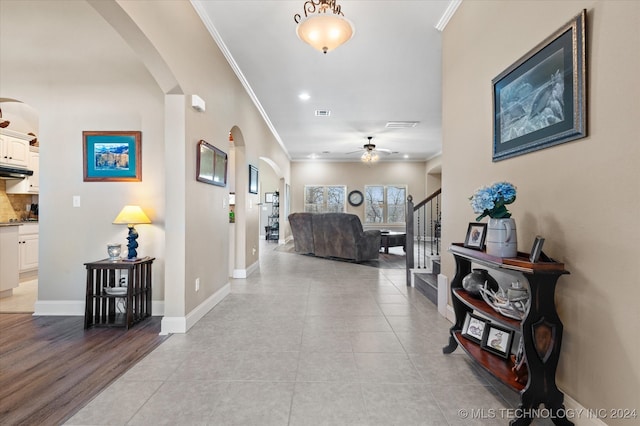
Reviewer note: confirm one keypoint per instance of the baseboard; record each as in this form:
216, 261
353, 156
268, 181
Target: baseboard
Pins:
443, 294
70, 308
244, 273
171, 325
582, 416
59, 308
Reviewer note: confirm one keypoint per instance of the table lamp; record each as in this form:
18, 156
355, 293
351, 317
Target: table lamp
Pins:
131, 215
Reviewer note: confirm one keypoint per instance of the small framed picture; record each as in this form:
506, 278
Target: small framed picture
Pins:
497, 340
253, 179
473, 328
476, 234
536, 249
268, 197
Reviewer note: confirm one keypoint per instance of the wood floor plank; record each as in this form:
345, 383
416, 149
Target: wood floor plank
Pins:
50, 367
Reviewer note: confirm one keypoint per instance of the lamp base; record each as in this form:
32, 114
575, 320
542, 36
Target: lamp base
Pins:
133, 244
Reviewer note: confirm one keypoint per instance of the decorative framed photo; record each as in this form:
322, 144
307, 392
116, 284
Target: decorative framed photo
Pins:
253, 179
497, 340
540, 100
112, 156
536, 249
476, 234
268, 197
473, 328
211, 166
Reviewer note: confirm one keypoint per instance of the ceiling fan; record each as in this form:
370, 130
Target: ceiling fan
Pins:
370, 153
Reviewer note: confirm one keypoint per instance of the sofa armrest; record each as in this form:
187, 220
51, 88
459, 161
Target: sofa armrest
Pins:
369, 246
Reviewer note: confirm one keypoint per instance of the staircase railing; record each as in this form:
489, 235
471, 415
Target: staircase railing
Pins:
423, 232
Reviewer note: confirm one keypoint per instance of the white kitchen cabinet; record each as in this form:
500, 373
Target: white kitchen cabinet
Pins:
28, 239
9, 260
30, 184
14, 151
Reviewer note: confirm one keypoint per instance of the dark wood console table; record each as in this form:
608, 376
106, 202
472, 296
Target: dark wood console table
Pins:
107, 307
541, 330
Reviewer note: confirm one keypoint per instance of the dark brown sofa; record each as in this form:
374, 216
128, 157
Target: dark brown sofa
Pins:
337, 235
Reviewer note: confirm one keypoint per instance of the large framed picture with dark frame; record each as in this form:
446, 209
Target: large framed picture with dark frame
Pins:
540, 100
211, 166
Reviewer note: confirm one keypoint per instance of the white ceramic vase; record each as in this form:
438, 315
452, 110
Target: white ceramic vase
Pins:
502, 240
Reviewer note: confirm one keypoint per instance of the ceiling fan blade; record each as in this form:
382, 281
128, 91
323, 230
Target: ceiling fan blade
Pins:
383, 150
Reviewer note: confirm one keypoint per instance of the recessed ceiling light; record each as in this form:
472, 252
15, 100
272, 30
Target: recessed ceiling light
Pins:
406, 156
401, 124
304, 96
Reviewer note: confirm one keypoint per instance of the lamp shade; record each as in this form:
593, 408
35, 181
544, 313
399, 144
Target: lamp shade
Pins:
325, 32
131, 215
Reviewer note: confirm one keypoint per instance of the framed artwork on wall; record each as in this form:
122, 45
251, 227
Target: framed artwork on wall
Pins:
112, 156
211, 165
540, 100
253, 179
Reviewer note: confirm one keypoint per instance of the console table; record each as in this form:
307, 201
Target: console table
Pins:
108, 306
541, 330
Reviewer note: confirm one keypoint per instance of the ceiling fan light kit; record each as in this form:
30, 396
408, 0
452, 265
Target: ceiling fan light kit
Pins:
321, 30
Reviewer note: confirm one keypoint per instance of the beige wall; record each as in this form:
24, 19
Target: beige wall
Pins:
583, 196
356, 176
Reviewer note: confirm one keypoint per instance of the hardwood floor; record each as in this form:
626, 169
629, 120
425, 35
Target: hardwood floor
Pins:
50, 366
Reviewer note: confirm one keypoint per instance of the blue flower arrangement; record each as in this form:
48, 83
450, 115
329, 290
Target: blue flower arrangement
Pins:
492, 200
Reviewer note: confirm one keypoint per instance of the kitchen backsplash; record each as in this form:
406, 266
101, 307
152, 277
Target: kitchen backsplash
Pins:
14, 206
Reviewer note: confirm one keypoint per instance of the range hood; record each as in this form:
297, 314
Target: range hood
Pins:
7, 172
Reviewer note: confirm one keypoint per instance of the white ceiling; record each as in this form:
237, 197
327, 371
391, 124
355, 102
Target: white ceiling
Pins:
389, 71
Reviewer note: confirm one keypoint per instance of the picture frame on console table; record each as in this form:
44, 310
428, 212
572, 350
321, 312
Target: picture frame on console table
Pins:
540, 100
497, 340
476, 234
473, 328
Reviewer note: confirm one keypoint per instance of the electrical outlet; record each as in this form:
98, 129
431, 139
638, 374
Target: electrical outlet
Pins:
197, 284
76, 201
254, 251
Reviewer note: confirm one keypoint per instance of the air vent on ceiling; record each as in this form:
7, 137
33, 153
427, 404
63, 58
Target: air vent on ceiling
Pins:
401, 124
323, 113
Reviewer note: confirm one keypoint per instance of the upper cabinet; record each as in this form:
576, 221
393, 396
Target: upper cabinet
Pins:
14, 151
30, 184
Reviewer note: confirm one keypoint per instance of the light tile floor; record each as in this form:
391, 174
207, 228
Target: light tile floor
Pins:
23, 299
308, 341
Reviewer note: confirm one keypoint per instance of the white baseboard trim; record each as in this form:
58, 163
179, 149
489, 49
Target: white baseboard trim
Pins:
171, 325
582, 416
56, 308
443, 294
59, 308
244, 273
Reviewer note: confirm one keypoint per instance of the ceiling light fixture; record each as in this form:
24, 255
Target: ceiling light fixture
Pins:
369, 157
323, 31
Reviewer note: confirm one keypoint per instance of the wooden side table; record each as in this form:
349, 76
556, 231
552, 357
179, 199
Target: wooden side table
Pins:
108, 306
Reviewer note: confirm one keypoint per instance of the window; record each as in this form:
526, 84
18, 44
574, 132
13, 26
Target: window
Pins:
325, 199
384, 204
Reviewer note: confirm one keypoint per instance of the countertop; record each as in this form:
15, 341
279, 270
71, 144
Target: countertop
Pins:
18, 223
